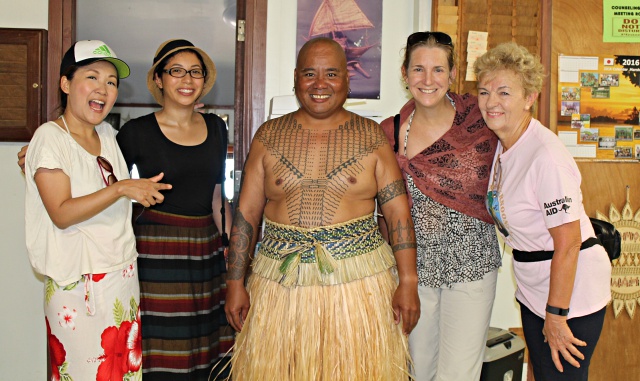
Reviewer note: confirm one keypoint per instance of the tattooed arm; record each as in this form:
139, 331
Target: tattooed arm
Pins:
384, 195
401, 235
382, 225
392, 198
244, 234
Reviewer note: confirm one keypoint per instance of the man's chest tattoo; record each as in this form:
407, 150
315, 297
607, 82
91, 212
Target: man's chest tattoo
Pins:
316, 168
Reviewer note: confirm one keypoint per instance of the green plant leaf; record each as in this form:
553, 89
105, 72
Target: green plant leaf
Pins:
70, 286
49, 289
118, 312
133, 309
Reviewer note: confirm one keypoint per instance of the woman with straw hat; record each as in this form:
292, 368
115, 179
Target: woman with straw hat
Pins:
180, 243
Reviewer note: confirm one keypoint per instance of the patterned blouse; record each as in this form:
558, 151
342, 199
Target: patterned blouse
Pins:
452, 246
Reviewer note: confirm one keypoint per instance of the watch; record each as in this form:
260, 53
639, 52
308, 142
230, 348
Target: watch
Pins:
557, 311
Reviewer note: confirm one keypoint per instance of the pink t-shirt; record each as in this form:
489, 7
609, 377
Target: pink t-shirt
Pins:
535, 186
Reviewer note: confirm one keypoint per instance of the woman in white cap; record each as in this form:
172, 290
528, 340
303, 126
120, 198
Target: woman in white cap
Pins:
181, 253
77, 229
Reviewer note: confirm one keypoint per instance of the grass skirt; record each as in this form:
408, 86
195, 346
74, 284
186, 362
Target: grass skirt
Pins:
339, 331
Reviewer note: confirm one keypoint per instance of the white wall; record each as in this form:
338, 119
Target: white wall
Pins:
22, 330
506, 313
400, 18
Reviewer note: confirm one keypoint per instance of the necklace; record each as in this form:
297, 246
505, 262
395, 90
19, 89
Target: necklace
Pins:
65, 124
495, 206
406, 134
497, 175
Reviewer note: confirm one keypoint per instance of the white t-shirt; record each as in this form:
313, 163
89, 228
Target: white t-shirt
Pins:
538, 188
101, 244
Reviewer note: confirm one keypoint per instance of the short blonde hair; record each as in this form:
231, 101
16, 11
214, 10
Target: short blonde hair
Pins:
514, 57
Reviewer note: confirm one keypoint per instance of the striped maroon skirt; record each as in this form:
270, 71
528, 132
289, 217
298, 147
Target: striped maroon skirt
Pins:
182, 290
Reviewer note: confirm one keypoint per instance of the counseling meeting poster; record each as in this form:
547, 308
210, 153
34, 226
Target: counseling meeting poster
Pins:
598, 106
620, 21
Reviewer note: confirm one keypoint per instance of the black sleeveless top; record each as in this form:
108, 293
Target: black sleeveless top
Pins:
193, 171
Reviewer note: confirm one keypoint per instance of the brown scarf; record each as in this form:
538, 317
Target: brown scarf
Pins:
454, 170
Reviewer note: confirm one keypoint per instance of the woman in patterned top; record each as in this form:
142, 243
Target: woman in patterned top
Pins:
445, 152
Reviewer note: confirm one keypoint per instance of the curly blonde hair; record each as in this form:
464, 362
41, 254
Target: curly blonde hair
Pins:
514, 57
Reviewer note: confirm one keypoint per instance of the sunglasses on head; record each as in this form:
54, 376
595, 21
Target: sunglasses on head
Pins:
106, 166
440, 37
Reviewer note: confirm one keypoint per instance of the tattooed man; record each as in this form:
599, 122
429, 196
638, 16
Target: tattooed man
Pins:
327, 298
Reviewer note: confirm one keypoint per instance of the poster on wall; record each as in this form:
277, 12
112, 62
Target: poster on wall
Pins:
598, 106
357, 26
620, 21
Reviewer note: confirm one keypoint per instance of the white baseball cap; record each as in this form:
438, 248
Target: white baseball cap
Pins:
88, 51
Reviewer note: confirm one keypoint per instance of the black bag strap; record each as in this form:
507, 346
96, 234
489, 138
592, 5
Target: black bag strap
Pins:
223, 199
222, 126
542, 255
396, 132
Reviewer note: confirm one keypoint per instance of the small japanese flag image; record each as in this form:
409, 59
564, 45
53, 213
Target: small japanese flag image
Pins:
608, 61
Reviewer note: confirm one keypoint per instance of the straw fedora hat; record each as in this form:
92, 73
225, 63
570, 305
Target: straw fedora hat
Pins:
169, 47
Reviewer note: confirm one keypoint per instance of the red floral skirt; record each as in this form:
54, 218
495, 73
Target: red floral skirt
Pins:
93, 326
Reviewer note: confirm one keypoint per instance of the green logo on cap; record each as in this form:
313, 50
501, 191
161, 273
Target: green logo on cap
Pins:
103, 50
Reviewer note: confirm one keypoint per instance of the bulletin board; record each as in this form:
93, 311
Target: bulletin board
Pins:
503, 21
598, 99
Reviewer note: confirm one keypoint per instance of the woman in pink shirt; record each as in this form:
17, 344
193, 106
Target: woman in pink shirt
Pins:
562, 271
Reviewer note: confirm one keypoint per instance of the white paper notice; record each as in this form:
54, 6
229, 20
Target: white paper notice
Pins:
569, 67
570, 140
587, 151
476, 46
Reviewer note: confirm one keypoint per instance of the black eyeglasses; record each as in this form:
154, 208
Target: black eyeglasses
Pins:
179, 72
106, 166
440, 37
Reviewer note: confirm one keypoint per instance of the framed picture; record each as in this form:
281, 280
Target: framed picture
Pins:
357, 26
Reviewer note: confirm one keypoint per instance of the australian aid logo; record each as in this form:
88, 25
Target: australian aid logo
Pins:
557, 205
